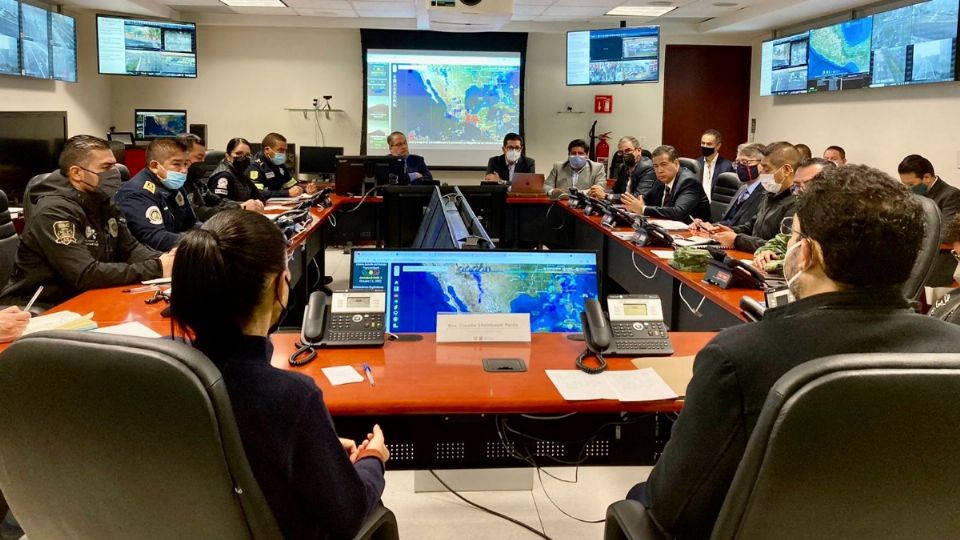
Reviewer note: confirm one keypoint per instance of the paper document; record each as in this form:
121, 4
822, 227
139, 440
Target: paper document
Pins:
134, 328
676, 371
338, 375
630, 385
695, 241
282, 200
63, 320
158, 281
670, 224
624, 235
664, 253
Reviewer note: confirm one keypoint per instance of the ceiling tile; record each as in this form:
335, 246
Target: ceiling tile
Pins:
312, 12
528, 10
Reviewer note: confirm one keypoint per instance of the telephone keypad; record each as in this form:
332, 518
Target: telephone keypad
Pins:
638, 338
356, 327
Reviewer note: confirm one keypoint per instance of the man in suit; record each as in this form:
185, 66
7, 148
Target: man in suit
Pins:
576, 171
916, 172
849, 300
677, 195
502, 168
635, 176
712, 164
414, 165
745, 202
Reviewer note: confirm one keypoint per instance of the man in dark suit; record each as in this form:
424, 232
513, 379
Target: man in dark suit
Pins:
677, 195
501, 168
916, 172
414, 166
849, 300
712, 164
635, 175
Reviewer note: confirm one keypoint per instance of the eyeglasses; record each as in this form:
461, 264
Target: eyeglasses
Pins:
513, 147
748, 162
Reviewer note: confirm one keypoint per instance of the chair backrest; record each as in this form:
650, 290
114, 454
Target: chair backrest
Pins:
124, 172
723, 192
929, 249
27, 203
691, 164
119, 150
854, 447
7, 229
111, 436
211, 160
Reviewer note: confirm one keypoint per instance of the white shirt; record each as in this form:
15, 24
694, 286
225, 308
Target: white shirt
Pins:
707, 180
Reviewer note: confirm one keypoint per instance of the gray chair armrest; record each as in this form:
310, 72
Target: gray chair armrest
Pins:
629, 520
381, 524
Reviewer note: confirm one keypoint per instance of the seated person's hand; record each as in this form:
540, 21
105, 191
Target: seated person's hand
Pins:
492, 177
254, 205
166, 262
374, 446
350, 447
726, 238
296, 191
597, 192
312, 188
695, 225
13, 321
415, 176
632, 204
760, 260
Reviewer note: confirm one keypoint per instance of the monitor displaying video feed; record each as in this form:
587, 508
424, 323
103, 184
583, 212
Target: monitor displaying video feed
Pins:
839, 56
915, 44
63, 41
613, 56
35, 29
783, 65
151, 124
149, 48
9, 37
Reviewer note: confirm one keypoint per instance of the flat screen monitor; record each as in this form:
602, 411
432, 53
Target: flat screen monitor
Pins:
442, 226
150, 48
319, 159
783, 65
613, 56
551, 286
478, 237
35, 28
358, 174
839, 56
915, 44
9, 37
30, 144
489, 204
151, 124
63, 47
404, 208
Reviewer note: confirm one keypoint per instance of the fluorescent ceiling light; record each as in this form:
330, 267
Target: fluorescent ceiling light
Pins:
640, 11
254, 3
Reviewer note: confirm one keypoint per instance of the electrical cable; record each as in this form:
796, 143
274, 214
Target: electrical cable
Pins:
363, 199
694, 311
633, 257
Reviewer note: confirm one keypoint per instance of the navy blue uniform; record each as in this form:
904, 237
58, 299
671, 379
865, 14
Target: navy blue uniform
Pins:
156, 215
416, 164
272, 180
225, 181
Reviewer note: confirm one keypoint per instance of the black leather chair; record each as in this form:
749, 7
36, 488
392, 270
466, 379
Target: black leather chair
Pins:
27, 204
851, 446
119, 150
211, 160
8, 240
112, 436
124, 172
723, 193
929, 250
690, 164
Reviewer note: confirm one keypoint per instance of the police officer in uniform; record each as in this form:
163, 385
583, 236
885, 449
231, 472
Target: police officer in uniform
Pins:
229, 179
269, 172
204, 201
74, 238
154, 200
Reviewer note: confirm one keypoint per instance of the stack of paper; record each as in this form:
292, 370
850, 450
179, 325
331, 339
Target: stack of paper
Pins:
664, 253
129, 329
338, 375
63, 320
670, 224
631, 385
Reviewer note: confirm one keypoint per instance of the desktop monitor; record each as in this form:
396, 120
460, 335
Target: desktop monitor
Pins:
551, 286
358, 174
478, 237
404, 208
152, 124
30, 144
320, 160
490, 205
443, 226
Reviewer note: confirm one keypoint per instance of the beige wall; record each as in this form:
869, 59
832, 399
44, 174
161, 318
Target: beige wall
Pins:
877, 127
87, 102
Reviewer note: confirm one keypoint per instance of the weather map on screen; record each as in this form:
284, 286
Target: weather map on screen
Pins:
63, 31
9, 37
915, 44
839, 56
36, 41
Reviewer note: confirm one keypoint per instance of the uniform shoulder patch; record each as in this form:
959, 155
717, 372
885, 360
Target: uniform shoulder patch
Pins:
154, 216
113, 227
64, 233
223, 182
150, 186
254, 175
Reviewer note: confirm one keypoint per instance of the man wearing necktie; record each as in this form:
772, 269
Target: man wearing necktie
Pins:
678, 195
415, 168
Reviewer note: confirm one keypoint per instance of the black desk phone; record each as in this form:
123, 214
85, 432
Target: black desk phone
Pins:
636, 326
350, 319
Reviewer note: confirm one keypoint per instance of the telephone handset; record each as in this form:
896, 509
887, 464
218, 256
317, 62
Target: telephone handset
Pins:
647, 233
732, 272
350, 319
635, 328
596, 332
323, 199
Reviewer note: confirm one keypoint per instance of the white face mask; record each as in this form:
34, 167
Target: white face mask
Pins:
791, 279
512, 155
769, 183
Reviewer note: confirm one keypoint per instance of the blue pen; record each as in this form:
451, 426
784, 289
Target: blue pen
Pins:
369, 372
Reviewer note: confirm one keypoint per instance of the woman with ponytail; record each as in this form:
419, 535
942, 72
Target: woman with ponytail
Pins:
230, 288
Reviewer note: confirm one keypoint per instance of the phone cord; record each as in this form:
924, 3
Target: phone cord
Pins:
601, 362
295, 358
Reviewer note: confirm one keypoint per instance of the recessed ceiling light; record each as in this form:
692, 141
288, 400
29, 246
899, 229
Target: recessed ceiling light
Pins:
254, 3
640, 11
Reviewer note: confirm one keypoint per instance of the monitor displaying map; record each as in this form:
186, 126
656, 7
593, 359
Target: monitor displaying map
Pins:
839, 56
915, 44
9, 37
153, 123
613, 56
150, 48
551, 286
783, 65
35, 27
63, 40
454, 107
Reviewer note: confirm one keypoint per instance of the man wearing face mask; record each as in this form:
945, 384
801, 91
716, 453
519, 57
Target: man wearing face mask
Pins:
780, 162
577, 171
635, 176
749, 195
74, 238
916, 172
849, 290
154, 201
268, 170
502, 168
712, 164
205, 203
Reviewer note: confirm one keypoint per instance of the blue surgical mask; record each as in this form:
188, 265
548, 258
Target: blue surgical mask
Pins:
174, 180
279, 159
577, 162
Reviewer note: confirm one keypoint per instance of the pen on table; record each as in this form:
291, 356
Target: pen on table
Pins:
34, 298
369, 372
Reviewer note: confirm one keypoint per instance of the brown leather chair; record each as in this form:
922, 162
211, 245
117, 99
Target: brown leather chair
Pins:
859, 446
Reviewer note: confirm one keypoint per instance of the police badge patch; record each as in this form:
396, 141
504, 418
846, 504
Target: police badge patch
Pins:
223, 182
179, 199
154, 216
254, 175
113, 228
64, 233
150, 186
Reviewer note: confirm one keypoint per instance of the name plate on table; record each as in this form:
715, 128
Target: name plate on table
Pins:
486, 327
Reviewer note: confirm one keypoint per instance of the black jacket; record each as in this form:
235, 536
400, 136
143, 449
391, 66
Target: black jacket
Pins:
733, 374
227, 182
947, 198
642, 179
498, 165
73, 242
687, 199
205, 203
156, 215
765, 224
740, 214
272, 180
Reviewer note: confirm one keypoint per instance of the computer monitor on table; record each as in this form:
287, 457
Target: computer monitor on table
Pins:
442, 226
152, 124
489, 203
551, 286
319, 160
404, 208
359, 174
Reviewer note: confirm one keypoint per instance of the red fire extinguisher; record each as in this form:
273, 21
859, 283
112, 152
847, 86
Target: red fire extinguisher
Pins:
603, 148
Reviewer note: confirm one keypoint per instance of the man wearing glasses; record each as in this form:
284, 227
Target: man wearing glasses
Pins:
635, 177
745, 202
502, 168
414, 166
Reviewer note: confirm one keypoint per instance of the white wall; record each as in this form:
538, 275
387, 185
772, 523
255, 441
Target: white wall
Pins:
87, 102
877, 127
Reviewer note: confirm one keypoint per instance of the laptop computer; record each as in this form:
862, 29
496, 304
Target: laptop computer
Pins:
527, 185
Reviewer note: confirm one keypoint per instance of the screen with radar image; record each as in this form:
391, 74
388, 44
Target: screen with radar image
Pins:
551, 286
9, 37
64, 40
152, 124
36, 41
839, 56
915, 44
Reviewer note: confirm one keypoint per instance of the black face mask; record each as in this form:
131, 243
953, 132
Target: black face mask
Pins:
195, 171
108, 185
241, 164
283, 311
746, 173
629, 159
706, 151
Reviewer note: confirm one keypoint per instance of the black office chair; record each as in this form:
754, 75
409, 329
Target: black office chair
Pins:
723, 193
929, 250
113, 436
646, 153
119, 150
856, 446
27, 203
690, 164
124, 172
211, 160
8, 240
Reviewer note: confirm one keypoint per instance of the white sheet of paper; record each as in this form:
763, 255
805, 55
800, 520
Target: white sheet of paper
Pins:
338, 375
695, 241
50, 322
624, 235
575, 385
664, 253
639, 385
158, 281
134, 328
280, 200
670, 224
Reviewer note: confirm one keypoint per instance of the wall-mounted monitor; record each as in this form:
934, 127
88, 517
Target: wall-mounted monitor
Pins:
783, 65
9, 37
613, 56
35, 29
152, 124
915, 44
149, 48
839, 56
63, 42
